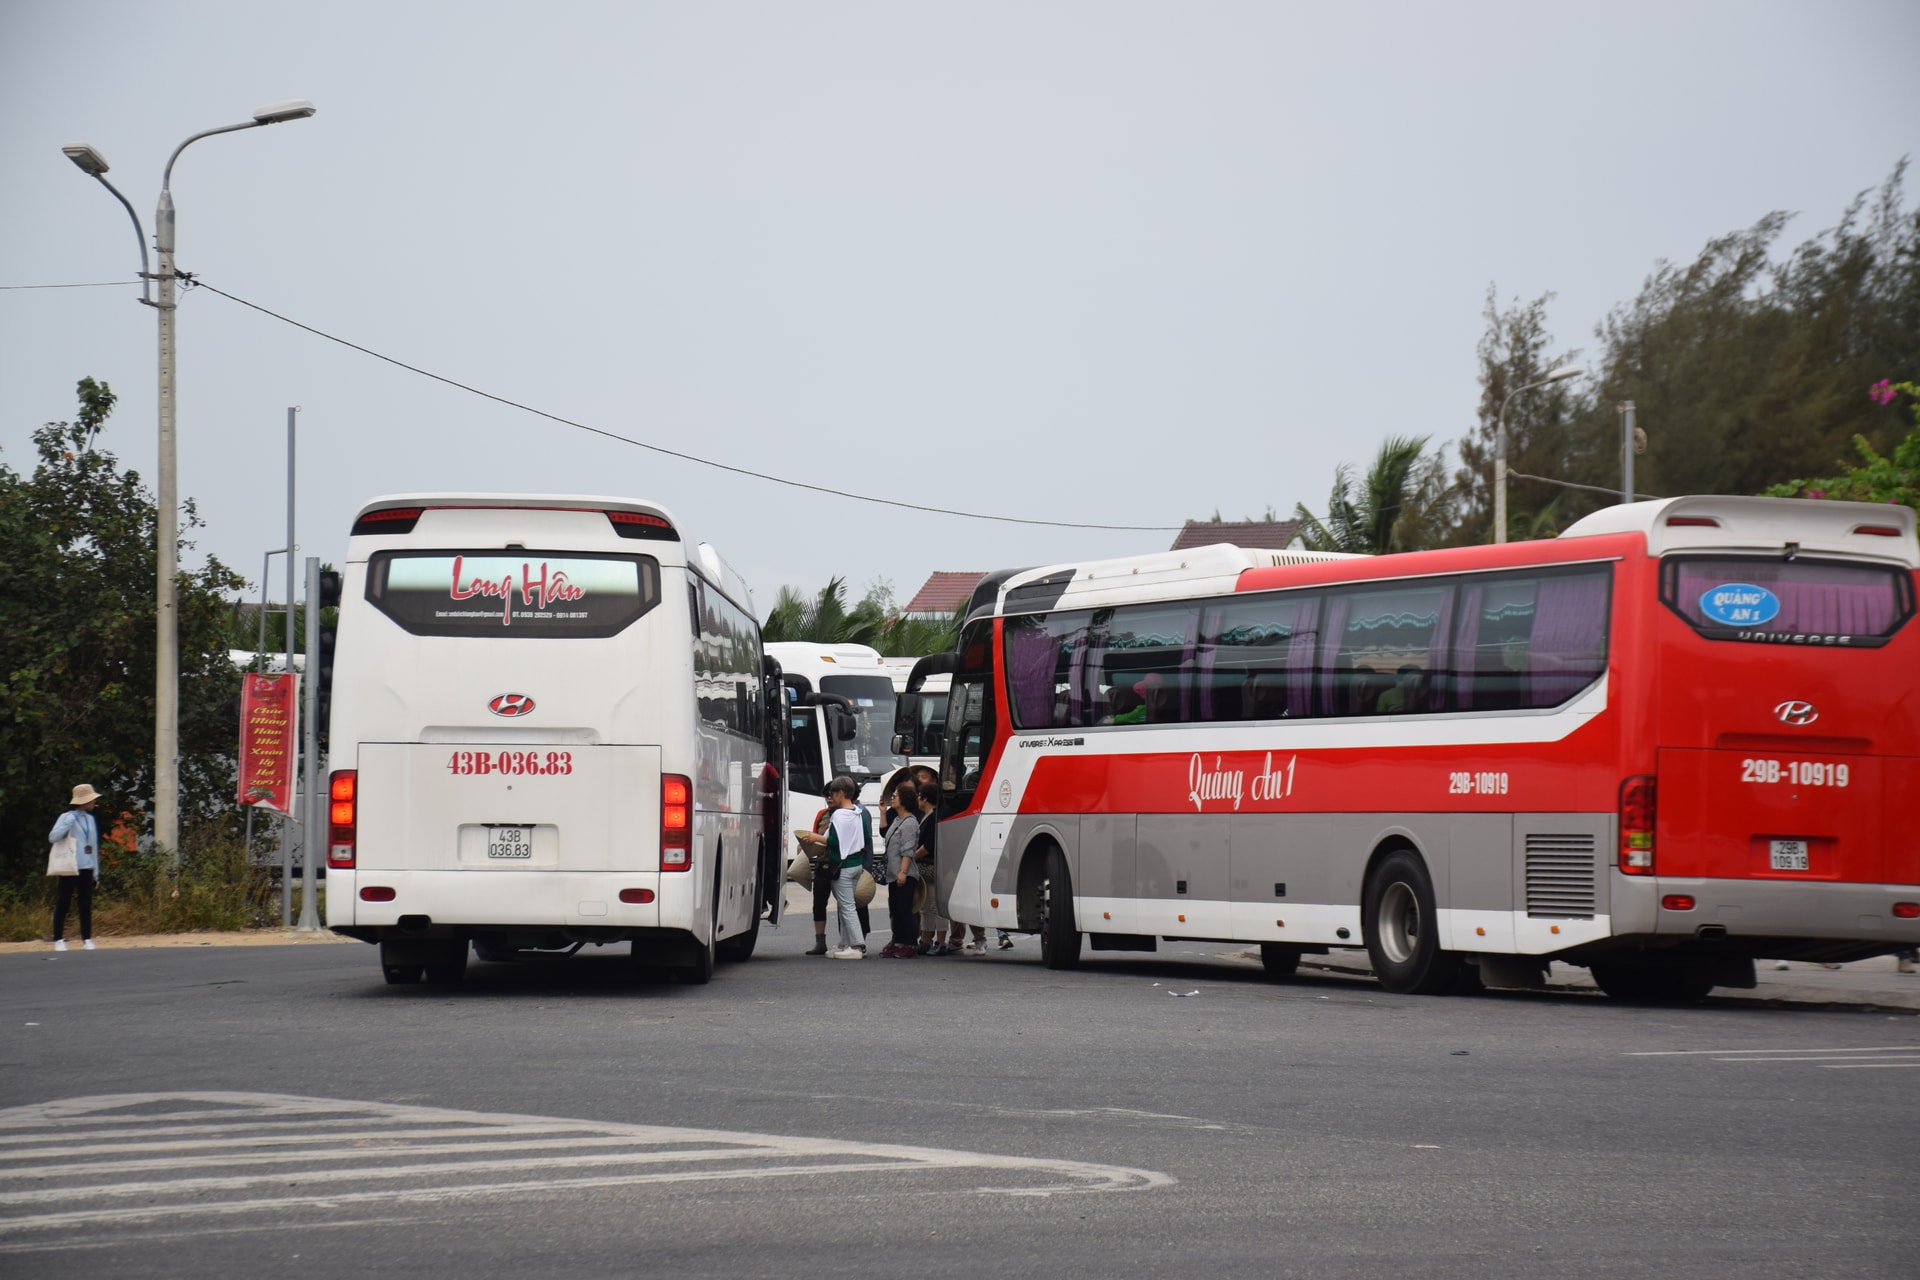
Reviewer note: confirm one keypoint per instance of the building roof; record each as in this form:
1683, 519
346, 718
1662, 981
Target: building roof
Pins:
943, 592
1272, 535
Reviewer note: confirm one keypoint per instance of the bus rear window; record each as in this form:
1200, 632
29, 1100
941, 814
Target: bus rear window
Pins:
518, 595
1776, 601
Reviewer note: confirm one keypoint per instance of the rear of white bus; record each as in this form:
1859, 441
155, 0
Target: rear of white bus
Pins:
511, 733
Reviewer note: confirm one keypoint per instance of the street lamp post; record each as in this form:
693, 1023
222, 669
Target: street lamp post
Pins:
1500, 445
166, 699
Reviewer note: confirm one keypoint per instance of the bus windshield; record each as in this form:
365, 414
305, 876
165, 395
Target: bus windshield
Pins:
871, 751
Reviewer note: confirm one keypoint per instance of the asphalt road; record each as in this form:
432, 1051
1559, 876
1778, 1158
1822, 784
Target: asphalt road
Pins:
267, 1111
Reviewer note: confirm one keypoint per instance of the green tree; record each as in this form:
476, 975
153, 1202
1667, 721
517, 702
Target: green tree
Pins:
77, 565
1402, 504
1745, 364
823, 618
826, 618
1516, 351
1893, 479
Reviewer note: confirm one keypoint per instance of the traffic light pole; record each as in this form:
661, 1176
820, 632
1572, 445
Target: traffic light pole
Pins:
316, 808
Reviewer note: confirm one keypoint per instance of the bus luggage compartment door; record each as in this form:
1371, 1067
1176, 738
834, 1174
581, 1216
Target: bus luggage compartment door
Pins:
1770, 814
481, 807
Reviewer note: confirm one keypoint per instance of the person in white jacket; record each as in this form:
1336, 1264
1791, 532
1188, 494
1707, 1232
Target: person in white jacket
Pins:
78, 821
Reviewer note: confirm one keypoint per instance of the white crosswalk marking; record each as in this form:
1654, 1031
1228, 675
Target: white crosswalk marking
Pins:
73, 1168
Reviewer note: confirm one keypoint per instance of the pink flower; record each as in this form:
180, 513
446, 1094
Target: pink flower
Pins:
1882, 392
1816, 493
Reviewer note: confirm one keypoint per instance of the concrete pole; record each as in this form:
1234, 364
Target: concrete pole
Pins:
1626, 451
1500, 472
316, 813
166, 691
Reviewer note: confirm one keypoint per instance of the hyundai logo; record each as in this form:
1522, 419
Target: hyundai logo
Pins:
1794, 711
511, 704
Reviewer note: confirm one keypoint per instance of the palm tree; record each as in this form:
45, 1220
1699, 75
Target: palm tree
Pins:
1401, 505
823, 619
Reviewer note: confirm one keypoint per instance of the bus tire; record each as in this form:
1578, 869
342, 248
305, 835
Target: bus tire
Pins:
697, 969
452, 966
1059, 939
1403, 938
399, 972
1653, 984
1279, 959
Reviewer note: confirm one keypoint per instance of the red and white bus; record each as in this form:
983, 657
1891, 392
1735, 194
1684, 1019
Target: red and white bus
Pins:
1682, 735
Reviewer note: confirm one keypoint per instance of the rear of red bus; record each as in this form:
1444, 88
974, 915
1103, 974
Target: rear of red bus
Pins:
1772, 737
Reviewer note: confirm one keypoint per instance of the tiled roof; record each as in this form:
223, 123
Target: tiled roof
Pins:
1274, 535
943, 592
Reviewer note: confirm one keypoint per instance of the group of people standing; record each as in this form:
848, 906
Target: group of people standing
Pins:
905, 862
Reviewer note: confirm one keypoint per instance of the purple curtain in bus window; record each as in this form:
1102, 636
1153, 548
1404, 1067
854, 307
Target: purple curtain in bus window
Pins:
1332, 635
1437, 654
1300, 651
1466, 646
1568, 649
1032, 653
1816, 599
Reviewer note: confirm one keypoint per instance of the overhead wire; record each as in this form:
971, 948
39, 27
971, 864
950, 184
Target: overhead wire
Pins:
91, 284
662, 449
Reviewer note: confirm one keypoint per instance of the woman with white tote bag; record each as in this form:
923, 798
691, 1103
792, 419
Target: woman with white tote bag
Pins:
74, 860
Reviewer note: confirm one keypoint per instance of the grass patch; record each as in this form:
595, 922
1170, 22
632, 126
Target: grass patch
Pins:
215, 887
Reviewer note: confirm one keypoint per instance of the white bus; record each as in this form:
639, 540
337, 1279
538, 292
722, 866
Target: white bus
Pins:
549, 729
840, 720
920, 708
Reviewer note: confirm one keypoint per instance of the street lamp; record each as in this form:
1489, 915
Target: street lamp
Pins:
166, 700
1561, 374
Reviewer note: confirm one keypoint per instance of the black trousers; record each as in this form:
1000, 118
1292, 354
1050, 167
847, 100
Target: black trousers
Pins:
823, 894
63, 898
905, 920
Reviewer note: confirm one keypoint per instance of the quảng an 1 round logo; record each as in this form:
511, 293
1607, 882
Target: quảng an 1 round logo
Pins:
1006, 794
1739, 604
511, 705
1795, 712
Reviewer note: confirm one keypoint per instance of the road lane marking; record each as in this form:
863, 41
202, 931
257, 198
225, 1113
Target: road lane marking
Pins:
1708, 1053
87, 1190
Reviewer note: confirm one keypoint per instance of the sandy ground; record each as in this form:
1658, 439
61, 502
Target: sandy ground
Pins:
227, 938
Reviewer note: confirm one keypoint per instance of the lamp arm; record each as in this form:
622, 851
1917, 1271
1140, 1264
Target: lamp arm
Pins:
163, 216
139, 233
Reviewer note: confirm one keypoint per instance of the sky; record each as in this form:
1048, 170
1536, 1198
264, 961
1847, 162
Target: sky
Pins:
1100, 263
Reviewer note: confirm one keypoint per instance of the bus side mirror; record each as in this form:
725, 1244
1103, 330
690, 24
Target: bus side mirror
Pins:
901, 746
844, 727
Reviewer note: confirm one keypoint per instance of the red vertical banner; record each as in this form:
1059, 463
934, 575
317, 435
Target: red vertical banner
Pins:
269, 740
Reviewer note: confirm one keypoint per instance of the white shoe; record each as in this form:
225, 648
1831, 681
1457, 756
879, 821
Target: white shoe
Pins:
845, 953
60, 944
1783, 965
1905, 966
973, 949
88, 945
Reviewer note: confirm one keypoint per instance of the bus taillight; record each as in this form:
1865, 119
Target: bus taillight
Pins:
1636, 825
343, 808
676, 822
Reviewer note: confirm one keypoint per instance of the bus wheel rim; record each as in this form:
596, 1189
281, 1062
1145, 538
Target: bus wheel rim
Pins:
1399, 922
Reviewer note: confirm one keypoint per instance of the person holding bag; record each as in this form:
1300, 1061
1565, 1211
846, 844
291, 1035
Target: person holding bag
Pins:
74, 860
848, 840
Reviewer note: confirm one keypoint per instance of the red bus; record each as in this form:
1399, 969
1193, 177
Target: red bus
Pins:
1683, 735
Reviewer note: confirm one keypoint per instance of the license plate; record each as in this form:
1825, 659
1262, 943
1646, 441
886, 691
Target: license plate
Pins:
1789, 855
517, 842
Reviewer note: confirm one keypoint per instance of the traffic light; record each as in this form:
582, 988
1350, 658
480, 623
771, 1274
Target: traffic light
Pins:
323, 669
323, 672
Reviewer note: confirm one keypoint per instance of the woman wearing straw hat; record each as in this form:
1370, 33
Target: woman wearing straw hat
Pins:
79, 823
